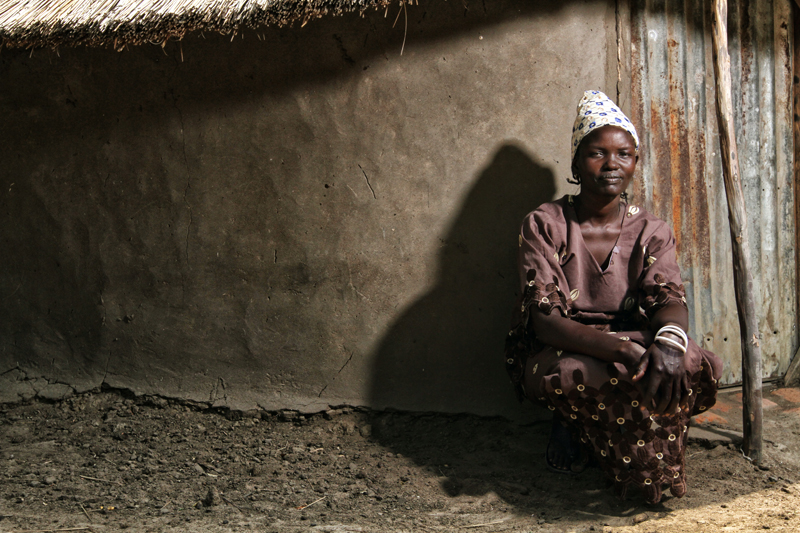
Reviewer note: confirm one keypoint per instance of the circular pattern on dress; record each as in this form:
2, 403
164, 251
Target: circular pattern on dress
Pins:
530, 283
620, 421
648, 481
558, 391
660, 455
551, 407
595, 417
535, 368
634, 403
703, 408
614, 381
626, 459
574, 417
676, 475
581, 388
601, 406
640, 442
690, 392
671, 437
545, 300
603, 453
574, 408
510, 361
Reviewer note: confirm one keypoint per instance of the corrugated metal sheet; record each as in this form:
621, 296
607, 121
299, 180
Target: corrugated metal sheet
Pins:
674, 106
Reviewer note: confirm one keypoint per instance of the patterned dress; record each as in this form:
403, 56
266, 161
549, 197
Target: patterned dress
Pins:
596, 398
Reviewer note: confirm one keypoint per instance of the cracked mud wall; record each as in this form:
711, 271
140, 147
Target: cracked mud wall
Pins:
298, 218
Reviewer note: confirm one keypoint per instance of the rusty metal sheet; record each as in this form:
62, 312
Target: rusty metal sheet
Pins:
680, 179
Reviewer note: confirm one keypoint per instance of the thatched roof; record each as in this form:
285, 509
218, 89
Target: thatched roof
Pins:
53, 23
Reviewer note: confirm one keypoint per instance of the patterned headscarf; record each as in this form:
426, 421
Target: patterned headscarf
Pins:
595, 110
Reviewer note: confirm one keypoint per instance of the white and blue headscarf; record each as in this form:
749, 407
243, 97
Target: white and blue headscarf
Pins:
594, 111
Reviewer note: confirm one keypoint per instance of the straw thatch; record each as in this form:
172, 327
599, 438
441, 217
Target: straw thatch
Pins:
117, 23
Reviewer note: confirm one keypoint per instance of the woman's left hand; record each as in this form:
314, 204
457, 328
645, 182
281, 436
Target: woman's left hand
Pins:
664, 384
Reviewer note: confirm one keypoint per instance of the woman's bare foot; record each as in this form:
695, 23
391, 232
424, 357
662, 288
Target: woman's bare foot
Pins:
565, 454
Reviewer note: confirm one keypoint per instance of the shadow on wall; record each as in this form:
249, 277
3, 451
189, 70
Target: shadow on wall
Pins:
445, 353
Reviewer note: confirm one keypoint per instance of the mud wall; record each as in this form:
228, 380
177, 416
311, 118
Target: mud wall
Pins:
294, 218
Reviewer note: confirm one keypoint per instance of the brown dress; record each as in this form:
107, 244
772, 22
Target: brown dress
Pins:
596, 398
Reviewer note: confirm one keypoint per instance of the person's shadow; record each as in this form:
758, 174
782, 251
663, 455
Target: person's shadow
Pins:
445, 353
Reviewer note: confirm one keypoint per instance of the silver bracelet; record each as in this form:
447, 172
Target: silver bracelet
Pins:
672, 343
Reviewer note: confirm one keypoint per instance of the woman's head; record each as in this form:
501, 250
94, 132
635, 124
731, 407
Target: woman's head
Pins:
605, 162
596, 112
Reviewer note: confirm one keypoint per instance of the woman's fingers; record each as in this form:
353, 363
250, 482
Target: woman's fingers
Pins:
665, 398
676, 396
641, 368
650, 392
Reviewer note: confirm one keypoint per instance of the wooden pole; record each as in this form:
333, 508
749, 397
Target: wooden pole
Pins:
746, 302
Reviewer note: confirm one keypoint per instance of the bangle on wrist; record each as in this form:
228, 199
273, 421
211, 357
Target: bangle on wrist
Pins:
678, 346
675, 330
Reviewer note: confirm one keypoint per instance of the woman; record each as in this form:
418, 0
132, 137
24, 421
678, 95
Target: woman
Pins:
599, 335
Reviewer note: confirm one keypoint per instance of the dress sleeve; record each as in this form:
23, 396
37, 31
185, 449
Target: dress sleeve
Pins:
541, 243
661, 282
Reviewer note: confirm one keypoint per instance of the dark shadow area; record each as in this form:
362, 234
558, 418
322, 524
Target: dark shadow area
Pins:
218, 69
487, 461
445, 353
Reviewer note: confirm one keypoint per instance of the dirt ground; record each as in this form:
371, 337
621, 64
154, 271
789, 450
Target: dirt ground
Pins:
104, 462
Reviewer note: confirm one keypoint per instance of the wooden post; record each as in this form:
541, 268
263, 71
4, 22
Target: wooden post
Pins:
746, 302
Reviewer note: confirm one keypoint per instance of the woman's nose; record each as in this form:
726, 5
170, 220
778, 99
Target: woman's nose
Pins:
611, 163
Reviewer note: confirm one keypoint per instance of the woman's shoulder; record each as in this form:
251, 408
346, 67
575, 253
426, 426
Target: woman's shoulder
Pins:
548, 222
550, 212
648, 224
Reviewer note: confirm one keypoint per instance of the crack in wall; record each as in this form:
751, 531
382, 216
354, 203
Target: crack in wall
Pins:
15, 367
337, 374
105, 371
368, 183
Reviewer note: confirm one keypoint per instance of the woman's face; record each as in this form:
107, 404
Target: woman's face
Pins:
605, 161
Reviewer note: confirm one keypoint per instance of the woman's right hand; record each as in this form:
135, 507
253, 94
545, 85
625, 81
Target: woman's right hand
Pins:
631, 355
664, 386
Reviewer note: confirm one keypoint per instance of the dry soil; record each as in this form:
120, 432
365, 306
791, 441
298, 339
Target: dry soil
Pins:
106, 462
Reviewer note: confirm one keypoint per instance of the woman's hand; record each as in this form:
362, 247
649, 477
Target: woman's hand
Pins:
631, 354
664, 382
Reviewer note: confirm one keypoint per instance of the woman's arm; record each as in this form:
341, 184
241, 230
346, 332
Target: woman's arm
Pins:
565, 334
